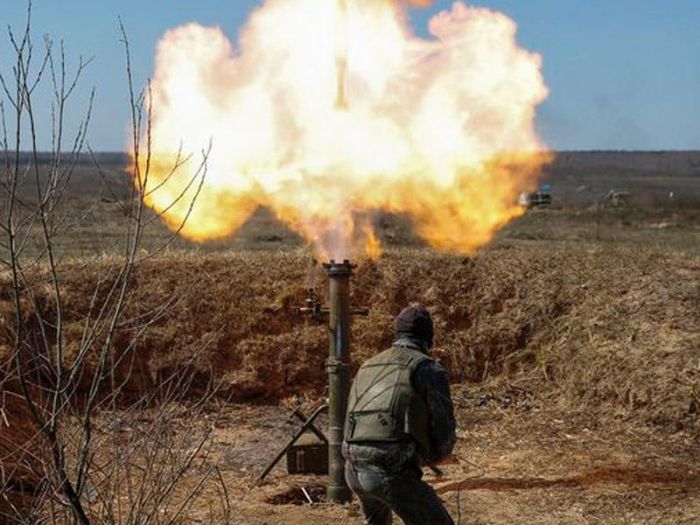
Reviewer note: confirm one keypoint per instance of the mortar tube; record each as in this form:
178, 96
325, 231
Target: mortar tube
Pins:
338, 376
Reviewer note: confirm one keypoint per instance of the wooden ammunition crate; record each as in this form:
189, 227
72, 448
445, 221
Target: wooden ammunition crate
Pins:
309, 455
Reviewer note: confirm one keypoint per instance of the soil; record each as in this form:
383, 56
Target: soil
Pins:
576, 375
537, 465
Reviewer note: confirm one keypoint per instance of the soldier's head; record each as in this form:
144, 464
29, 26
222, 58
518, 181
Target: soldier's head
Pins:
415, 322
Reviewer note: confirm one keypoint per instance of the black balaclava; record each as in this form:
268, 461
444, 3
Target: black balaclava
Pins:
415, 322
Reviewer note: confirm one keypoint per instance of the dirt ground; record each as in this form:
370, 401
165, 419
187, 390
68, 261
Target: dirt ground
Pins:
577, 378
517, 462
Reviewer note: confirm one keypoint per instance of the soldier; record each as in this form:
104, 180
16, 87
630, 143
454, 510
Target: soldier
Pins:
400, 418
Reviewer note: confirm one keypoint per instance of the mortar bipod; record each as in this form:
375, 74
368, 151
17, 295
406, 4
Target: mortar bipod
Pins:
308, 424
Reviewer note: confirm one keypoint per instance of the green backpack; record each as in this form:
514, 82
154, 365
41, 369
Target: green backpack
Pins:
383, 405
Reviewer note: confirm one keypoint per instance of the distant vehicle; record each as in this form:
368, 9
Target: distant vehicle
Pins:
541, 198
617, 199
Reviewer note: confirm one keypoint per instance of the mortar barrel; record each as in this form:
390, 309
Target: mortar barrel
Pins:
338, 375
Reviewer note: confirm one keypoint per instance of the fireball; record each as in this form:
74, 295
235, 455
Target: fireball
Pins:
328, 111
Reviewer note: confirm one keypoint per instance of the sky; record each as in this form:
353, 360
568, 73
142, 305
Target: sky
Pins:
623, 74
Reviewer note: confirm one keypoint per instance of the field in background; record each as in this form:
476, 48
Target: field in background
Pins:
572, 341
662, 208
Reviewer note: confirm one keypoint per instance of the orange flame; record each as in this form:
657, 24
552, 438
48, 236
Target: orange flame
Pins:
373, 247
329, 110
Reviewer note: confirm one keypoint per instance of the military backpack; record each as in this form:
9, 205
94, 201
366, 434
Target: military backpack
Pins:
383, 405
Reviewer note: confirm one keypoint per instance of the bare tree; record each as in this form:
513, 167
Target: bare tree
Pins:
84, 469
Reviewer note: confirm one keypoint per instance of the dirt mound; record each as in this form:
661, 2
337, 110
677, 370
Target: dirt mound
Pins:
21, 470
614, 330
604, 476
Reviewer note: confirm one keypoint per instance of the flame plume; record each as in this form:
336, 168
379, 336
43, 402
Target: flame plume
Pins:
329, 110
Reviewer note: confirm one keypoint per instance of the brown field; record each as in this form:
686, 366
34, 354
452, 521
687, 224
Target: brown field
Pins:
572, 340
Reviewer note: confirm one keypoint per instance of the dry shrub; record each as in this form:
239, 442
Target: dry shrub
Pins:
612, 329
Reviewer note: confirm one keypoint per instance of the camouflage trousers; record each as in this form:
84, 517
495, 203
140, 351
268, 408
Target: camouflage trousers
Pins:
405, 493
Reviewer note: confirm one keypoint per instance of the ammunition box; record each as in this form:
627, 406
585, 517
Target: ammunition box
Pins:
309, 455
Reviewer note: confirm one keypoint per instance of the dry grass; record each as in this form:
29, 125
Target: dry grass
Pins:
613, 330
602, 334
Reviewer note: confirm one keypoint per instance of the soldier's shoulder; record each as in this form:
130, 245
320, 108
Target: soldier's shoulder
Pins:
431, 367
378, 357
